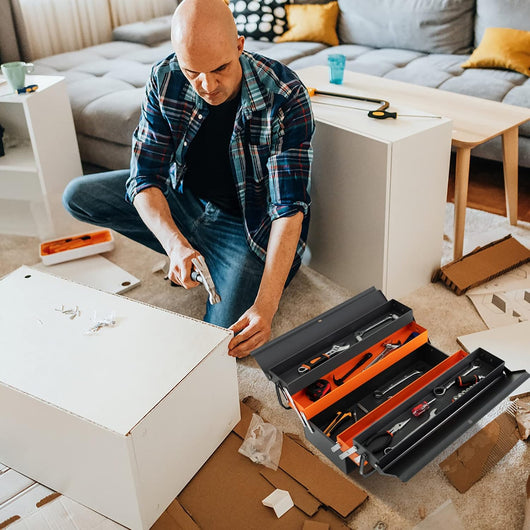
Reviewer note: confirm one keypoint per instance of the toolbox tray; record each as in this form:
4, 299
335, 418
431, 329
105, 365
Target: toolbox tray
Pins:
425, 429
347, 448
280, 358
425, 357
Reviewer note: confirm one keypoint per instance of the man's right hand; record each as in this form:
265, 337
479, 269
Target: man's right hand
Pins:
154, 210
180, 265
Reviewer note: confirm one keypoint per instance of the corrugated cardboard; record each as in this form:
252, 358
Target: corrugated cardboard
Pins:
473, 459
483, 264
227, 492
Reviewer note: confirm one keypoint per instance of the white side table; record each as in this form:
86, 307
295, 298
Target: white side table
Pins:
35, 171
378, 192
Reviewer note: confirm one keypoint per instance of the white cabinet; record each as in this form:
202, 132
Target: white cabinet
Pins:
41, 157
378, 192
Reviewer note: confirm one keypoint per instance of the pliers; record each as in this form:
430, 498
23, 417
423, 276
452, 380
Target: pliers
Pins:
382, 440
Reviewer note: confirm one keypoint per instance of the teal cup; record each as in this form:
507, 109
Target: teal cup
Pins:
336, 62
15, 73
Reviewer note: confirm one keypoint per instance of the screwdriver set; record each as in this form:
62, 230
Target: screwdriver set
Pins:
373, 394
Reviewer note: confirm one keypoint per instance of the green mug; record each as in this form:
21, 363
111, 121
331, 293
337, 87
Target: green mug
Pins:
15, 73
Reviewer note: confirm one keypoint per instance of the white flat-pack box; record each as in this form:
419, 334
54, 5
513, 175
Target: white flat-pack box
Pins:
119, 419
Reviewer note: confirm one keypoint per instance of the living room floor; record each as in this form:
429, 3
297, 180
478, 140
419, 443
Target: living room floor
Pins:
486, 187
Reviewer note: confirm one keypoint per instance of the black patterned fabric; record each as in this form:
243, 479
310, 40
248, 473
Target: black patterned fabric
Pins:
260, 19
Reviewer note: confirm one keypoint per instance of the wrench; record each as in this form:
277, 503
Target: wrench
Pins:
359, 334
378, 394
321, 358
442, 389
431, 416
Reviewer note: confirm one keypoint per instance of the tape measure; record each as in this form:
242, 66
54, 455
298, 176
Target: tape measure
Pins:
318, 389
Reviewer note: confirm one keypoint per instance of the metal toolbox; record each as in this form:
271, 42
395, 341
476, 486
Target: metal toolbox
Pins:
377, 372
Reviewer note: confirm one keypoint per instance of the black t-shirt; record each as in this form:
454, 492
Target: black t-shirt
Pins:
209, 173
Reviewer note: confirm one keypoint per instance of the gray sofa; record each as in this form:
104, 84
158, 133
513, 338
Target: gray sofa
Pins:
417, 41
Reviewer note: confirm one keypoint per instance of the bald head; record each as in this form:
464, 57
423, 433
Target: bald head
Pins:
207, 46
202, 24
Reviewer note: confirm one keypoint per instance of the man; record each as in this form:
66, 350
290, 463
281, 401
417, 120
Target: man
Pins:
220, 168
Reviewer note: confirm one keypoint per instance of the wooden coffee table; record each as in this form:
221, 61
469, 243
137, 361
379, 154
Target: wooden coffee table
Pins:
475, 121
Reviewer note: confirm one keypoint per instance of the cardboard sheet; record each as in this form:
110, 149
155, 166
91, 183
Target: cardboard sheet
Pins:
473, 459
93, 271
510, 343
232, 485
502, 308
483, 264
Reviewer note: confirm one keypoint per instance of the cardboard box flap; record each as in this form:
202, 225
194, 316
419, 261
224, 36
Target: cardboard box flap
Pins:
319, 479
473, 459
322, 481
175, 517
301, 497
483, 264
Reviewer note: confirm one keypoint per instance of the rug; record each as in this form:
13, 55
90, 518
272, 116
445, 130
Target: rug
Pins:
495, 502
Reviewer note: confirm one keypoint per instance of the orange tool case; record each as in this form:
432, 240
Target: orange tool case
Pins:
369, 389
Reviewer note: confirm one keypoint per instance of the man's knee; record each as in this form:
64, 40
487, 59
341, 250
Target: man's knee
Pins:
72, 196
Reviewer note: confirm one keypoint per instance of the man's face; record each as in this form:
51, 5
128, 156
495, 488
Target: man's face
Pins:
214, 74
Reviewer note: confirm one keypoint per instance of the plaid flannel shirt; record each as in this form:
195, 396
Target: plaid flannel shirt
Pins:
270, 149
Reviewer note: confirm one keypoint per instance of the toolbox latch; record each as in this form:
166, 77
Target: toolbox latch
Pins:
281, 390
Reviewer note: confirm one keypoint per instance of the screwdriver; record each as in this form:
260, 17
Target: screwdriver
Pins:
418, 410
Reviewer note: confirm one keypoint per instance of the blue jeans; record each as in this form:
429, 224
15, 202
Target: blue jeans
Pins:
236, 271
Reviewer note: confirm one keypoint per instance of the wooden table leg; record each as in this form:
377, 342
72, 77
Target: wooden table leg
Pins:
510, 156
463, 155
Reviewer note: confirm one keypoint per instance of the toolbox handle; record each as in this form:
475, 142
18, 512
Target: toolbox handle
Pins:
362, 463
279, 396
301, 415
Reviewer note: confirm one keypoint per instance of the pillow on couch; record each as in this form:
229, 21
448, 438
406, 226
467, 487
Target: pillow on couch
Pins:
501, 14
502, 48
149, 32
312, 23
432, 26
259, 20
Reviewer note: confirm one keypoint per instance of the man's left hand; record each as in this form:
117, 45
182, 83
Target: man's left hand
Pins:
252, 330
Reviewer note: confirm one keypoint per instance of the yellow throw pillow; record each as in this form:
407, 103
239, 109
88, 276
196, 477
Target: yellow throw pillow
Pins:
312, 22
502, 48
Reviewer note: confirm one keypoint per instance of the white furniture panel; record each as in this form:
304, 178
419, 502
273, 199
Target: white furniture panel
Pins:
119, 420
378, 192
44, 157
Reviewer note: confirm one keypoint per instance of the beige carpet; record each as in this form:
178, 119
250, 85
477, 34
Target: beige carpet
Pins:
496, 502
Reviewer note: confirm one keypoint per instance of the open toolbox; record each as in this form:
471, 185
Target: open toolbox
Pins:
371, 391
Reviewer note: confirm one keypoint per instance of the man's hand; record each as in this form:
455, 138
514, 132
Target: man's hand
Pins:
154, 211
180, 265
252, 330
